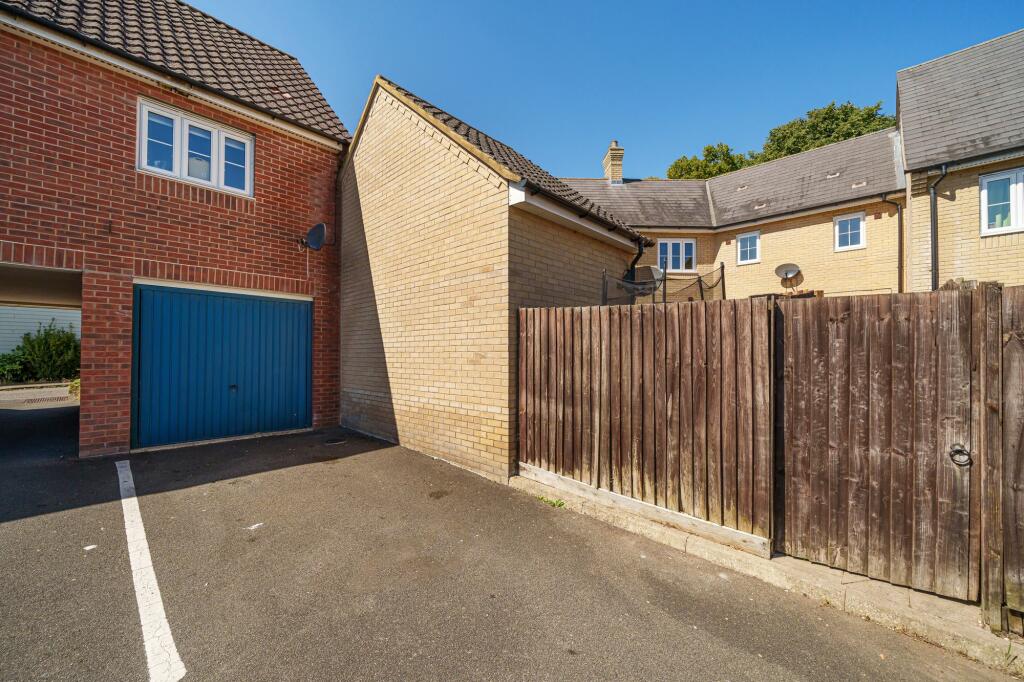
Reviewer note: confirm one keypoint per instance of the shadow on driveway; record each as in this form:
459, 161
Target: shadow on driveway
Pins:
40, 472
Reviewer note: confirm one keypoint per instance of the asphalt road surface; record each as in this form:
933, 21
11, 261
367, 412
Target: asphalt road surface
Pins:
290, 558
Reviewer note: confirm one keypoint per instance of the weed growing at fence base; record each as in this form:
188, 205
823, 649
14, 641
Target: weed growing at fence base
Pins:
557, 504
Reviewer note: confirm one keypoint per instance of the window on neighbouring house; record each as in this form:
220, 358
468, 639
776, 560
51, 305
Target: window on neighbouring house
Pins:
177, 144
849, 231
1002, 202
748, 248
677, 255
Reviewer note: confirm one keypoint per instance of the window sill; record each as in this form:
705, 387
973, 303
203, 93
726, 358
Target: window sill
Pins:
999, 232
680, 272
748, 262
842, 249
195, 183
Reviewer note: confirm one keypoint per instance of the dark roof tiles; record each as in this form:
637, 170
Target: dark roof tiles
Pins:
963, 105
176, 37
519, 164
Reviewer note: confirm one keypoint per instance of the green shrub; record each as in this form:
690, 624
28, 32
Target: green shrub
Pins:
75, 388
50, 354
12, 367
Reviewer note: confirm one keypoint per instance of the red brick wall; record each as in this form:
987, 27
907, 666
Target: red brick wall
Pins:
68, 183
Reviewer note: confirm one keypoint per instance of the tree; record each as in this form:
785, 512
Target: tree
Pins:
825, 125
717, 159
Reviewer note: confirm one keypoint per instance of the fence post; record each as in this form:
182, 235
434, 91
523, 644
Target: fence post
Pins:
721, 277
604, 287
989, 306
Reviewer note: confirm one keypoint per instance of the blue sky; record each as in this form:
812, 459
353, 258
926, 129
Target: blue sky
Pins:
559, 80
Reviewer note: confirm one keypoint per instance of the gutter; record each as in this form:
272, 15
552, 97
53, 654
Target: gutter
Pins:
933, 218
612, 227
899, 240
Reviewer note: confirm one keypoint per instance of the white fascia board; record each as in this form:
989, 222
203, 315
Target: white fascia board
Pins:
197, 286
542, 206
81, 48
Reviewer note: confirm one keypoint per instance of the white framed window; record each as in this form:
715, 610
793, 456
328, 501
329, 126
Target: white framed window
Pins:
177, 144
849, 232
677, 255
748, 248
1002, 202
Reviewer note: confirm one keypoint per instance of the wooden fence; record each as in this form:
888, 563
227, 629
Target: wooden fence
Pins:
881, 435
668, 404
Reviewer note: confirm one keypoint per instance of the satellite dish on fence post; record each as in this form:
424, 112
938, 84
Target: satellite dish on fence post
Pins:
314, 239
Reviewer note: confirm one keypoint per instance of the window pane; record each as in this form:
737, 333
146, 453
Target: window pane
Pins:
663, 256
688, 259
234, 163
234, 152
676, 265
854, 229
200, 145
160, 142
998, 203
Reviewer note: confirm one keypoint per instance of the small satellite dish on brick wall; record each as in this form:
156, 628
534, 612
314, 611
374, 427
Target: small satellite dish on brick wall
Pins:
314, 239
788, 273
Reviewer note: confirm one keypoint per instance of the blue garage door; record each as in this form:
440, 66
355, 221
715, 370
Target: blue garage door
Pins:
208, 364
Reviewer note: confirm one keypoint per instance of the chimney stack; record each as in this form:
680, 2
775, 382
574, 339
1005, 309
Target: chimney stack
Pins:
613, 163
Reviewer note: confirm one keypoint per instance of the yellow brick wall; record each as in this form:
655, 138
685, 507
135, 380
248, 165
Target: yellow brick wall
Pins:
552, 265
682, 287
963, 252
425, 315
808, 241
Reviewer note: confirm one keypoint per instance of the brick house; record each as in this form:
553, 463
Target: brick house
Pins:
157, 170
446, 233
856, 215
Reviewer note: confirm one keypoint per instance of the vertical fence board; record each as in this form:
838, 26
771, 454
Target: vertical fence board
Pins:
586, 410
730, 483
977, 322
649, 409
879, 436
714, 411
901, 480
1013, 445
636, 402
568, 465
857, 515
659, 407
992, 458
744, 419
625, 392
925, 313
558, 358
596, 397
818, 451
700, 410
577, 398
603, 446
953, 482
685, 411
763, 466
615, 408
672, 403
838, 427
789, 315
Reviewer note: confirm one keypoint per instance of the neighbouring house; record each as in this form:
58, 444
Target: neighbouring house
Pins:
158, 168
857, 215
445, 234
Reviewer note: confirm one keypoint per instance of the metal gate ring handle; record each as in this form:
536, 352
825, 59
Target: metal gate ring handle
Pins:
960, 455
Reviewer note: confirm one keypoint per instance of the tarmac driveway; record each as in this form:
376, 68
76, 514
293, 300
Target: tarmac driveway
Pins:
292, 558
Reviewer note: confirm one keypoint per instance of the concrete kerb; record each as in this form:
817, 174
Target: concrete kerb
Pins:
952, 625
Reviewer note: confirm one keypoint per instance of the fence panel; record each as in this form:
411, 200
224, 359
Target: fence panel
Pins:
664, 403
1012, 444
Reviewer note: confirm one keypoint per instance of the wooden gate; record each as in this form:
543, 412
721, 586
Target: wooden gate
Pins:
668, 404
880, 465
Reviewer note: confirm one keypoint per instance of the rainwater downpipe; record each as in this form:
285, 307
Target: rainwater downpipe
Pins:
934, 218
630, 272
899, 241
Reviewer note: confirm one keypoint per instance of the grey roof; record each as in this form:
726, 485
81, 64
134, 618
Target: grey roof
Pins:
858, 168
648, 203
179, 39
535, 176
963, 105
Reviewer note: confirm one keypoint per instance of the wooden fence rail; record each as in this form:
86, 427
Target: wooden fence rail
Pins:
669, 404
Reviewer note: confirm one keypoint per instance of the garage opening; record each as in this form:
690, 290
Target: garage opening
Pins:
40, 353
213, 364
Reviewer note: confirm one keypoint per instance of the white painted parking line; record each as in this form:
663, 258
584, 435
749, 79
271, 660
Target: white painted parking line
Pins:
161, 655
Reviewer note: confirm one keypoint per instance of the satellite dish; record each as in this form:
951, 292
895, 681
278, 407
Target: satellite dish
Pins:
314, 239
787, 271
